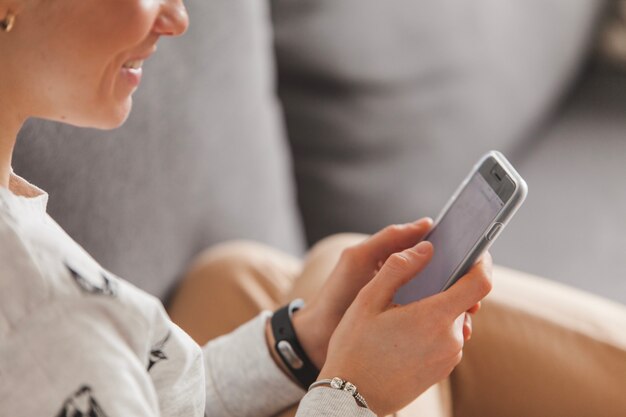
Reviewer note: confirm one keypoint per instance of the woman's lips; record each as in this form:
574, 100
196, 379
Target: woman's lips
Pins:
132, 75
132, 71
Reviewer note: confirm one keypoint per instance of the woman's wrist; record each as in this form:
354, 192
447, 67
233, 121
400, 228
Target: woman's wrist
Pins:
311, 335
308, 327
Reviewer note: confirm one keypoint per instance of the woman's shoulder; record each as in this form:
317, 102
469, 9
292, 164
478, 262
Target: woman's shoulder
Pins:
22, 283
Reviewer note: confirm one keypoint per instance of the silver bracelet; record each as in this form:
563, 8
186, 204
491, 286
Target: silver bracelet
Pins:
340, 384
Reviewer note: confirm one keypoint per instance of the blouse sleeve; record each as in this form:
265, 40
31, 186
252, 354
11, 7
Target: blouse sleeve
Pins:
327, 402
244, 381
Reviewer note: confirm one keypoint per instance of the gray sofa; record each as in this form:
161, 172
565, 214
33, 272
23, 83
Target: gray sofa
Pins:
287, 121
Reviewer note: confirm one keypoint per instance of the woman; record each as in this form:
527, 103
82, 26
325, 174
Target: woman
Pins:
77, 341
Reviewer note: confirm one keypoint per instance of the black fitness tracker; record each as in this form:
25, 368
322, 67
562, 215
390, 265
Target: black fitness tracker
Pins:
288, 347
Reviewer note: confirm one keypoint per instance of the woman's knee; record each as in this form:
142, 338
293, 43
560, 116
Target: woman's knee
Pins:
235, 260
228, 284
320, 262
245, 266
227, 256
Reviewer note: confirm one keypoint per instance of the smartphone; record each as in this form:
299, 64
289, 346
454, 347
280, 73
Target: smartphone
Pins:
468, 225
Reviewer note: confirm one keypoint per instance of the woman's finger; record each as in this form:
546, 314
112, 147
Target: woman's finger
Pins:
470, 289
458, 327
474, 308
399, 269
467, 327
392, 239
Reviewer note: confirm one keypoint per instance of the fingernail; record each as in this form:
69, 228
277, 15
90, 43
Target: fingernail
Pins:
423, 247
423, 221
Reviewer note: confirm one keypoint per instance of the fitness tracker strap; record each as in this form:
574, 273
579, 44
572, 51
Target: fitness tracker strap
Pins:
288, 347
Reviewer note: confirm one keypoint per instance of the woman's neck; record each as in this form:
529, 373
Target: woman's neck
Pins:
9, 127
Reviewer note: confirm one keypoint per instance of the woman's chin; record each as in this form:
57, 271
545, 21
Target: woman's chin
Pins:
119, 116
113, 119
106, 117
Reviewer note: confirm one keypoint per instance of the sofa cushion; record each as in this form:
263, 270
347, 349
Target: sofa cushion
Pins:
202, 158
388, 104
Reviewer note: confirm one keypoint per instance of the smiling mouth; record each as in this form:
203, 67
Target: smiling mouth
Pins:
135, 64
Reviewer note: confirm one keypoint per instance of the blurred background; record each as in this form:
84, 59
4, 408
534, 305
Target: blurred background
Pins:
389, 104
288, 120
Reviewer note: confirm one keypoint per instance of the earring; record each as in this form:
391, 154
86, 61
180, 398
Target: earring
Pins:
7, 24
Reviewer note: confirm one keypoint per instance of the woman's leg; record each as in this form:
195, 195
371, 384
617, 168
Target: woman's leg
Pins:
540, 348
319, 263
230, 284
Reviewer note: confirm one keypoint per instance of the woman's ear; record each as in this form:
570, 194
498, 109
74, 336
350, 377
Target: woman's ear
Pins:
4, 10
10, 7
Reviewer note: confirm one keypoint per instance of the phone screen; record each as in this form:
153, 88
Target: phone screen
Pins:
453, 237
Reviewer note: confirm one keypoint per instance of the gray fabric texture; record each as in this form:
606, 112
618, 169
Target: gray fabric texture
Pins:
389, 104
202, 158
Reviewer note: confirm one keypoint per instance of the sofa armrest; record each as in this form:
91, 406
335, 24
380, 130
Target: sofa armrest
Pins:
543, 349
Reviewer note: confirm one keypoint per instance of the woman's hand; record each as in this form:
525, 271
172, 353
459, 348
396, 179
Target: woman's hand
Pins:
394, 353
316, 322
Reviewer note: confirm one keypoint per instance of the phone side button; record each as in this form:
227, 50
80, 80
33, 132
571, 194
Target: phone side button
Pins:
492, 234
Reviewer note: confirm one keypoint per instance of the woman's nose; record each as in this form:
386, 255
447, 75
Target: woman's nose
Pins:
173, 19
